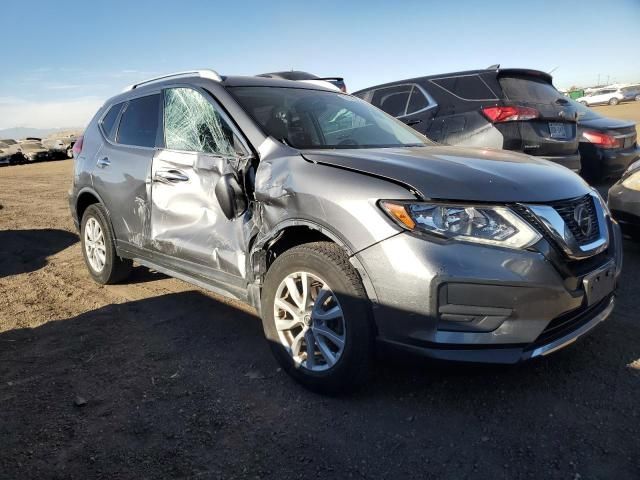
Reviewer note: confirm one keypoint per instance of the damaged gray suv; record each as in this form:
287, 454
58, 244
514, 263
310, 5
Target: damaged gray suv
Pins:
343, 227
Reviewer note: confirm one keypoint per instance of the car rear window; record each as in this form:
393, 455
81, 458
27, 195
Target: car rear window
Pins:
466, 87
139, 122
109, 121
529, 90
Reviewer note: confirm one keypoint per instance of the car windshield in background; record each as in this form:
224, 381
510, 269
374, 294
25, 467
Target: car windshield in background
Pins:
530, 90
584, 112
304, 118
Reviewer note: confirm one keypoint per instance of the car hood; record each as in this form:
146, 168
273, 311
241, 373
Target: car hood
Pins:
604, 123
456, 173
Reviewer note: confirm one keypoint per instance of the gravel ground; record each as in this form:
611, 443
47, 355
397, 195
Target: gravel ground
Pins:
156, 378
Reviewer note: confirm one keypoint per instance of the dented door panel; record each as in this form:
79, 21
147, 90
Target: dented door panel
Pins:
186, 219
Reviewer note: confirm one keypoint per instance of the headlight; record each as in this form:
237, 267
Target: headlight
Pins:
489, 225
632, 182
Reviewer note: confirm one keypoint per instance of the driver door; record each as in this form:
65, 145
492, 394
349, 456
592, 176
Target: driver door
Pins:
188, 227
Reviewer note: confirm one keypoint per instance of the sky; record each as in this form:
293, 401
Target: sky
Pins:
61, 59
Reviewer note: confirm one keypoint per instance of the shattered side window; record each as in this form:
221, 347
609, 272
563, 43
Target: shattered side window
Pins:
193, 124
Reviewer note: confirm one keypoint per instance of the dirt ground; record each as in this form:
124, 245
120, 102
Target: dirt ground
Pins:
158, 379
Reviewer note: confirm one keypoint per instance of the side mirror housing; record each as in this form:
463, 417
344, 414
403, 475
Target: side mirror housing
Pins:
230, 196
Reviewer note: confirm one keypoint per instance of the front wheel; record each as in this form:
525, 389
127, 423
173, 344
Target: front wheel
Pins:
98, 248
316, 316
614, 101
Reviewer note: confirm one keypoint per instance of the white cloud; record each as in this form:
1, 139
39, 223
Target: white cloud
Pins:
16, 112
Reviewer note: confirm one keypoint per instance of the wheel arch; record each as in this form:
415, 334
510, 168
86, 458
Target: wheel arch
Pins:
289, 234
86, 197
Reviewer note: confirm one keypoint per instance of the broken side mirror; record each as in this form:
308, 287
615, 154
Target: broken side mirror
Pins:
230, 196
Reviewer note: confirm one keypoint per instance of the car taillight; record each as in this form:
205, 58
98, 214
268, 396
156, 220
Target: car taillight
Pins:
77, 147
603, 140
509, 114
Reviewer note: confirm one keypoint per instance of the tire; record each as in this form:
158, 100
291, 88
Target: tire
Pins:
323, 262
585, 104
614, 101
114, 269
69, 152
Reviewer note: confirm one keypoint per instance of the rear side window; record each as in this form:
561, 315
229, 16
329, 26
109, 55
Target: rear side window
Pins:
109, 121
392, 100
529, 90
139, 122
466, 87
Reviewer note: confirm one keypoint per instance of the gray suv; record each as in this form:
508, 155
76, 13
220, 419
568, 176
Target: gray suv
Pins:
343, 227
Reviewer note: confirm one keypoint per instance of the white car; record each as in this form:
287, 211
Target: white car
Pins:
612, 96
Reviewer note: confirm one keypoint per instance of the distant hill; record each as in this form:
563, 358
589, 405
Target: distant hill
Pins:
22, 132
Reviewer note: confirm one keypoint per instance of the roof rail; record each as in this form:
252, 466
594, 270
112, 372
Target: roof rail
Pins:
210, 74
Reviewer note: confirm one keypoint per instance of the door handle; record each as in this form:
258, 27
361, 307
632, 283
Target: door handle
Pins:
413, 122
170, 177
103, 162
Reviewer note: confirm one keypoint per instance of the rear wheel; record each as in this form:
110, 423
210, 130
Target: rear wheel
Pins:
614, 101
70, 152
316, 316
98, 248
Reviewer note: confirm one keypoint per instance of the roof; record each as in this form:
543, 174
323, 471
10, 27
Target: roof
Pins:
499, 71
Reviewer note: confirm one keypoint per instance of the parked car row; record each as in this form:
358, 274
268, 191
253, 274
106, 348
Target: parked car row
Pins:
511, 109
611, 96
31, 149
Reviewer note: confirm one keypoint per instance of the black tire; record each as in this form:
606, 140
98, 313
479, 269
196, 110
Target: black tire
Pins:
329, 262
584, 103
614, 101
69, 152
115, 269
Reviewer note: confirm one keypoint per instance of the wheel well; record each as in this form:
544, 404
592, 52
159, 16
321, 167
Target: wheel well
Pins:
84, 200
292, 237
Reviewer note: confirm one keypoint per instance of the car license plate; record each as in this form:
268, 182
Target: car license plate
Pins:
557, 130
600, 283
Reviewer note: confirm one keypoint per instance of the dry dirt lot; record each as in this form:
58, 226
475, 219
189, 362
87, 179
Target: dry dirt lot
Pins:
180, 383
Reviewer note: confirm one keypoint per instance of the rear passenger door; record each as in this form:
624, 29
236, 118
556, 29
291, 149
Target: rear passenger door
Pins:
123, 165
188, 227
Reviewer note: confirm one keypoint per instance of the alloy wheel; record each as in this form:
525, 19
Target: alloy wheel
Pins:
309, 321
94, 245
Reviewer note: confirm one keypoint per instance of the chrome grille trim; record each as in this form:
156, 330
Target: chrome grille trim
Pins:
550, 217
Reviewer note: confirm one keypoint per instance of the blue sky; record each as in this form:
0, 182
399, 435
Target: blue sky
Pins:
61, 59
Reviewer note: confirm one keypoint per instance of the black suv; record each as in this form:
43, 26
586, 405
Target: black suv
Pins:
512, 109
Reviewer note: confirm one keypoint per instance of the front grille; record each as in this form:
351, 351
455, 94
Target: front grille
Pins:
567, 208
567, 323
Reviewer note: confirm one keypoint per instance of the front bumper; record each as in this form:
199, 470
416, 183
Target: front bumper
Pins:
624, 204
468, 302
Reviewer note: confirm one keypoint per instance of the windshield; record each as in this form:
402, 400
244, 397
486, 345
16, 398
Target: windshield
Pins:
584, 112
305, 118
